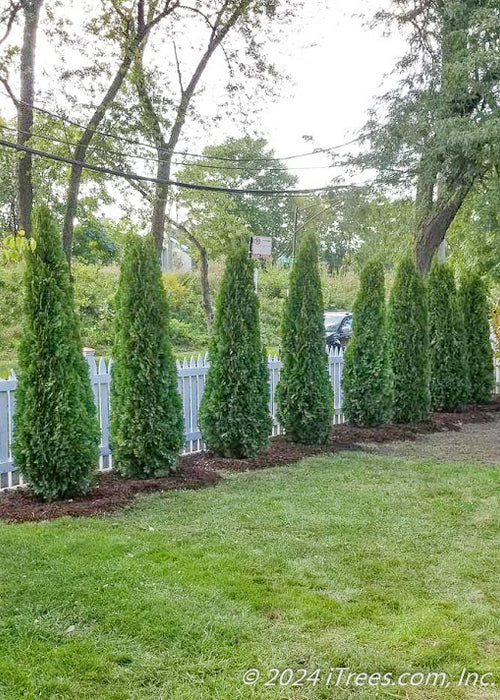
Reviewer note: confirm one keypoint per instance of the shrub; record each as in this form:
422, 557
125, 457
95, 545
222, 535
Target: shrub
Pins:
447, 346
304, 393
56, 431
474, 305
408, 338
95, 289
234, 414
147, 429
365, 377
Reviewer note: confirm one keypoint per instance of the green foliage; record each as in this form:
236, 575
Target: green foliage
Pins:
95, 290
147, 429
234, 414
447, 342
366, 378
408, 337
56, 430
92, 244
474, 236
304, 393
14, 246
218, 219
474, 306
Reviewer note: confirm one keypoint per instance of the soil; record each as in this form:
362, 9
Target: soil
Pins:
111, 491
468, 435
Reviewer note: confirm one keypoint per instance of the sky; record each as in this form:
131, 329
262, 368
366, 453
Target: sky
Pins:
336, 66
334, 83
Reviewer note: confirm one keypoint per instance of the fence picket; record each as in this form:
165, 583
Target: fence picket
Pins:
191, 378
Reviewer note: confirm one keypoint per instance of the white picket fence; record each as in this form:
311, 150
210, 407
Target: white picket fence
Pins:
191, 376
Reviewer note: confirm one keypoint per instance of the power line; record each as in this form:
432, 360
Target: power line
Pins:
164, 181
152, 159
134, 142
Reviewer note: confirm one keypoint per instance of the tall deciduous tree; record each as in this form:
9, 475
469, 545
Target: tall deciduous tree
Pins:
135, 23
441, 132
234, 413
304, 393
164, 116
147, 427
408, 337
365, 377
56, 430
30, 11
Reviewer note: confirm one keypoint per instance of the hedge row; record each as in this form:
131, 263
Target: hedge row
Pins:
429, 350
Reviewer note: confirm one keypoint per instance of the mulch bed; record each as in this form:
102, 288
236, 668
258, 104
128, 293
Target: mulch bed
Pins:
110, 492
204, 468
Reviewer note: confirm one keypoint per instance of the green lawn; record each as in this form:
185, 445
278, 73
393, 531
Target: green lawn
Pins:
380, 564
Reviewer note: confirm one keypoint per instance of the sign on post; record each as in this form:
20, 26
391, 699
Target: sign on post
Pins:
261, 247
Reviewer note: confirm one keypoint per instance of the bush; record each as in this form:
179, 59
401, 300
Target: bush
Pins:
447, 346
409, 344
56, 433
95, 289
304, 393
474, 305
147, 427
234, 415
365, 377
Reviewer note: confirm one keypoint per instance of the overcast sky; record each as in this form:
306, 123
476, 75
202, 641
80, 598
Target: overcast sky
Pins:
336, 64
334, 82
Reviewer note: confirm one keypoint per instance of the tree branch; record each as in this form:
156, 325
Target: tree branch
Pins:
10, 17
178, 65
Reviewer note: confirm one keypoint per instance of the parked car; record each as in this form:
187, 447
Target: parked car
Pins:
338, 326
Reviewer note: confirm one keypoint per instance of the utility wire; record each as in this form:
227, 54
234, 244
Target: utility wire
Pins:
152, 159
134, 142
173, 183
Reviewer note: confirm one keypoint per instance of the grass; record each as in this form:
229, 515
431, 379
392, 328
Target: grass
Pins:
379, 564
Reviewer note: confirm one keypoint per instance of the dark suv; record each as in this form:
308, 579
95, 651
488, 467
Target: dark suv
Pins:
338, 326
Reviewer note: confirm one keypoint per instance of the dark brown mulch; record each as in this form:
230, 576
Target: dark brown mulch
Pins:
279, 452
203, 468
110, 492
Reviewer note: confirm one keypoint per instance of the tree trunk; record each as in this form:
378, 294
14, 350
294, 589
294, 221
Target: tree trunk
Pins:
204, 283
31, 10
160, 197
154, 124
432, 231
205, 289
83, 144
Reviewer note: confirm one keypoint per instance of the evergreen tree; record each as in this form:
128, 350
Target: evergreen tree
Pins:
234, 414
409, 344
56, 433
447, 345
304, 393
474, 305
147, 427
365, 378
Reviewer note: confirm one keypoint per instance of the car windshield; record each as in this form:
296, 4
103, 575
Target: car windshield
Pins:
333, 320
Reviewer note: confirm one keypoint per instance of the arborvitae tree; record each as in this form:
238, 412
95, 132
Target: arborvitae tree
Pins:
234, 414
147, 427
408, 337
447, 344
56, 433
304, 393
474, 305
366, 378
